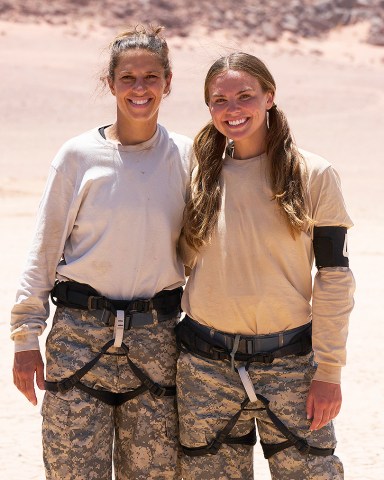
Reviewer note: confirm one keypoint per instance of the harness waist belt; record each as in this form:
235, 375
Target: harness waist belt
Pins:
137, 312
213, 344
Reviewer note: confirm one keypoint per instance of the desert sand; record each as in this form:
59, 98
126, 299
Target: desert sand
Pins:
332, 92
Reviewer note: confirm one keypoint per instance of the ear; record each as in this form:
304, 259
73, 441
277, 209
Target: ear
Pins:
111, 86
167, 87
270, 98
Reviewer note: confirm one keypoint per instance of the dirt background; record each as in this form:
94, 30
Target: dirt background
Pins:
330, 84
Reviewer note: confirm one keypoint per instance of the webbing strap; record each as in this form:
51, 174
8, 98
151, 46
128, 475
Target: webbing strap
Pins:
222, 437
64, 385
118, 329
292, 440
247, 383
193, 341
152, 386
269, 449
82, 296
111, 398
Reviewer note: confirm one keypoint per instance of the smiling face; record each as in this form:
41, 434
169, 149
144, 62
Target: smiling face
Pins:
139, 84
238, 107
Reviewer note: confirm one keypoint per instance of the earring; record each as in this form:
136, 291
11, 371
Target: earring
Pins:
267, 119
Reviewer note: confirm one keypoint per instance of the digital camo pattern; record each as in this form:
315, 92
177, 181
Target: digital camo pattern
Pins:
209, 394
78, 430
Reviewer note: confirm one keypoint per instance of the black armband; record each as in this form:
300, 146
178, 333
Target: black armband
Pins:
330, 247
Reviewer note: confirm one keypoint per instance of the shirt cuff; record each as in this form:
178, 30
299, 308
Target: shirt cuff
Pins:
26, 342
328, 373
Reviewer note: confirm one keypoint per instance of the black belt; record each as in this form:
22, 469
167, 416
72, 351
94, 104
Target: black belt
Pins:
137, 312
210, 343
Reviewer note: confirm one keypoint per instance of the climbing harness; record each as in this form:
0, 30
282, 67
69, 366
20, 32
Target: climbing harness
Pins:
126, 315
209, 343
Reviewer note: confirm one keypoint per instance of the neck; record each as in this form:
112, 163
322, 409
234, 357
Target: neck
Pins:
243, 151
250, 147
131, 134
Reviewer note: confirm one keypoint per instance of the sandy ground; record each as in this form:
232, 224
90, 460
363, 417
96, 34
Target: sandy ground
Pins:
332, 92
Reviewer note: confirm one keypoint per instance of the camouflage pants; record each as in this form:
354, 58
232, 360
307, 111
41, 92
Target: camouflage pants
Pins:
83, 436
210, 393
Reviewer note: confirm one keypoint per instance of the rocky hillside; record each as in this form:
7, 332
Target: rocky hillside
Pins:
264, 20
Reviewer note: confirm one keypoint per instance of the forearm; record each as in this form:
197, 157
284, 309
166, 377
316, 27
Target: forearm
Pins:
332, 304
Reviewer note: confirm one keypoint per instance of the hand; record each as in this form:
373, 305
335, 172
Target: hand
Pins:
25, 366
323, 403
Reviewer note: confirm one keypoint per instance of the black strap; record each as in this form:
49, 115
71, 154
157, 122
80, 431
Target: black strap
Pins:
150, 385
247, 439
292, 440
223, 437
66, 384
189, 340
72, 294
111, 398
84, 297
269, 449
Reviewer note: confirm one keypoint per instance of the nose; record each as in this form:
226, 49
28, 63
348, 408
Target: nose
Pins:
232, 106
139, 84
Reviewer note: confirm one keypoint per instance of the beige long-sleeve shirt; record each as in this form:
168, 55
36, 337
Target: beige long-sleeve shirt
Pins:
255, 278
110, 217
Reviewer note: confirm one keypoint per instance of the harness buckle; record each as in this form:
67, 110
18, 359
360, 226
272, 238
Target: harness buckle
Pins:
140, 306
92, 303
263, 357
157, 390
214, 446
303, 447
65, 385
217, 353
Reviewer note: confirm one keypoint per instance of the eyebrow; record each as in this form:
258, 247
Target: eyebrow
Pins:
238, 93
146, 73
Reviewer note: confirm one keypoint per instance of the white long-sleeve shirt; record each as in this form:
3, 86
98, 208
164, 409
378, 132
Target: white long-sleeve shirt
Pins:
254, 278
110, 217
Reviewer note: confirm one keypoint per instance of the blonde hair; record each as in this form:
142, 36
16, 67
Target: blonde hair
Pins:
287, 171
